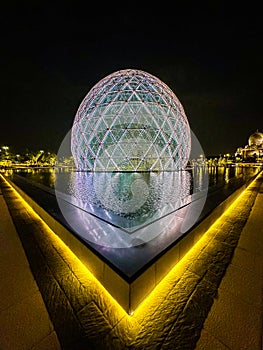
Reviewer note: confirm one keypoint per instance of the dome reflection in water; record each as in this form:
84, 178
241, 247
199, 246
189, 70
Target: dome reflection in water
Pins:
130, 200
124, 209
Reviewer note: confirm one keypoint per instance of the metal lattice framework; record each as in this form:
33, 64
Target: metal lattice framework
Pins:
131, 121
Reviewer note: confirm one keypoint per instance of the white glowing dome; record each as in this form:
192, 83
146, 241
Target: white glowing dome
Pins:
130, 121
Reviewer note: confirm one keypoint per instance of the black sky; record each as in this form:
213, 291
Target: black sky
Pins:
53, 53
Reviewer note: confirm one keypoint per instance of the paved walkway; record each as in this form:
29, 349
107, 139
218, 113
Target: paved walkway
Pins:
24, 320
212, 299
235, 320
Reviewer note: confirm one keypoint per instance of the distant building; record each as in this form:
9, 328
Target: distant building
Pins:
254, 150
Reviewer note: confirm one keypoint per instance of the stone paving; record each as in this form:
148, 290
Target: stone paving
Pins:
191, 307
24, 320
235, 320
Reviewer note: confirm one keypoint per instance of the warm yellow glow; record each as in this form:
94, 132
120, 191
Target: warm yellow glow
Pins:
161, 290
131, 324
85, 274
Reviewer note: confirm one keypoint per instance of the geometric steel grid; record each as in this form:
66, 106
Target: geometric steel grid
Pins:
130, 121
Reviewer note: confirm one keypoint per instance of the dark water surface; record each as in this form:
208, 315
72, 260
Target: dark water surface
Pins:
217, 175
129, 200
142, 212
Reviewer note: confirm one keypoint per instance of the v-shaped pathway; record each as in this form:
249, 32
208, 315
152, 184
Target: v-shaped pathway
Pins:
212, 299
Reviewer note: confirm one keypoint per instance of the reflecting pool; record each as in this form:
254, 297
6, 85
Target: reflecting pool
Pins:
128, 200
111, 221
120, 209
134, 207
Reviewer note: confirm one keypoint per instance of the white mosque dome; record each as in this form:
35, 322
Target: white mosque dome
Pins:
256, 139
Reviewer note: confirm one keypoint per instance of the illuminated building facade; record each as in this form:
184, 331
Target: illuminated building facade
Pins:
130, 121
254, 150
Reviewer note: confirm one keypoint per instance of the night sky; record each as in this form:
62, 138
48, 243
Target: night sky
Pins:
53, 53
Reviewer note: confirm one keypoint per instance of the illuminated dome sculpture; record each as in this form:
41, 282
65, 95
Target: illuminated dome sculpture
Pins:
130, 121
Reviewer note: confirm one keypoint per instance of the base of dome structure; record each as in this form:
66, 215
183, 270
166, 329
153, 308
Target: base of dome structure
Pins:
129, 275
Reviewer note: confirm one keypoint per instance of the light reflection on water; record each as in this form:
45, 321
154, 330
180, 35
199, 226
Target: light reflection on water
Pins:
127, 199
130, 195
217, 175
124, 199
134, 196
140, 204
137, 204
131, 199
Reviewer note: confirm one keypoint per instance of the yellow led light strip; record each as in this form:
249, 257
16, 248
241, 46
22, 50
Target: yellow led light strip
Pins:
160, 291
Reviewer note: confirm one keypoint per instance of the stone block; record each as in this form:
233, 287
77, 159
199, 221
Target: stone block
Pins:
117, 287
165, 263
141, 287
